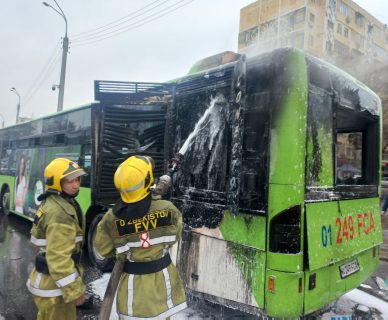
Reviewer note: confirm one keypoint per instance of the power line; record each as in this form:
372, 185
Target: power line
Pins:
93, 36
129, 28
119, 30
49, 60
44, 76
116, 22
48, 72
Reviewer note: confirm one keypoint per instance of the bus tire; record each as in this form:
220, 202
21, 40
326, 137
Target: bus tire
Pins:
105, 265
5, 200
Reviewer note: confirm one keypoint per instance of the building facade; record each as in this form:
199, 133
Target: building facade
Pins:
339, 31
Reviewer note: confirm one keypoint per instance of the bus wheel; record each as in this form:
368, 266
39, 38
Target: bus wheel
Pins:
5, 201
105, 265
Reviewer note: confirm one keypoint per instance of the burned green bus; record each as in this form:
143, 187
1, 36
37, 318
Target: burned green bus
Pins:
279, 183
279, 186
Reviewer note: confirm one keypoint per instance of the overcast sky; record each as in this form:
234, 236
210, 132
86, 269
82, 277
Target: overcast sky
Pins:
163, 48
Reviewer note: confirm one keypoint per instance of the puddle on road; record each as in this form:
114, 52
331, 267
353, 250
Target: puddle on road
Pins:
16, 261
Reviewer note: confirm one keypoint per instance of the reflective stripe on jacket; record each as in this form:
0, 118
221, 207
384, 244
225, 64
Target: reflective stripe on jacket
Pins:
147, 296
57, 232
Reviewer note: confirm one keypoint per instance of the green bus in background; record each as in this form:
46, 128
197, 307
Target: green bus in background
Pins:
28, 147
99, 136
279, 184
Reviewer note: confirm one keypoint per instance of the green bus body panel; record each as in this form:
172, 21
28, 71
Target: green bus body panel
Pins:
287, 149
330, 286
251, 263
244, 229
286, 184
288, 134
285, 301
285, 262
337, 230
244, 232
84, 199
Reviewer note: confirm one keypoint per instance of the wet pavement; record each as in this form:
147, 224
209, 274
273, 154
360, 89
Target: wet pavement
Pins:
384, 246
16, 261
16, 256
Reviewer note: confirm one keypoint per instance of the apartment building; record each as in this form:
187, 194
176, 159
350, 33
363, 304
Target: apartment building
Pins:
339, 31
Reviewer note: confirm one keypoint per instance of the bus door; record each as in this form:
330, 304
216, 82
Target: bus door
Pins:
130, 120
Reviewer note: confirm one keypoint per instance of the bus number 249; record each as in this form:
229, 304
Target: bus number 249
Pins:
347, 229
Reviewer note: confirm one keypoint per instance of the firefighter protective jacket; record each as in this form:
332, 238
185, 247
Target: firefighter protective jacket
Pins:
57, 232
143, 239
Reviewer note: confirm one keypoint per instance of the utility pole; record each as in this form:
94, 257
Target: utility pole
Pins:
2, 124
63, 72
13, 89
65, 49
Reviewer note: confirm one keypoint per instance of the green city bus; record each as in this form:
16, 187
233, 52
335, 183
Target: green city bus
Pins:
279, 183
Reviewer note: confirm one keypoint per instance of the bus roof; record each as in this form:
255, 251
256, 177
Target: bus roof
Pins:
369, 100
71, 109
326, 74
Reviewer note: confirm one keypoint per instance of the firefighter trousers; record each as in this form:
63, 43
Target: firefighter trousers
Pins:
55, 309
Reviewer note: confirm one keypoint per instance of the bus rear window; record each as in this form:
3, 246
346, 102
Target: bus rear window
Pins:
357, 151
349, 158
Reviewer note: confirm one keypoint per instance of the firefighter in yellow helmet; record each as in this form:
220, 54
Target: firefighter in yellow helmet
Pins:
58, 230
140, 229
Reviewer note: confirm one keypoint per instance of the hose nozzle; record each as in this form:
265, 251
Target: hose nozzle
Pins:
175, 163
165, 181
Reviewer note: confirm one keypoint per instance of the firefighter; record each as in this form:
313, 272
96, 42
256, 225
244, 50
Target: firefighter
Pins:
58, 230
140, 229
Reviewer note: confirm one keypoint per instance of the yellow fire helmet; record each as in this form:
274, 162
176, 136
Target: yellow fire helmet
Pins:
134, 177
58, 169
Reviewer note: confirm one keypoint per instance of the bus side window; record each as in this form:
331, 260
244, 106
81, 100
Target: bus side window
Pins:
384, 170
85, 162
4, 162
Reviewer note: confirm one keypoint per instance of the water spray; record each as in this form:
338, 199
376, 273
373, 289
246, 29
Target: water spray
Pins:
165, 180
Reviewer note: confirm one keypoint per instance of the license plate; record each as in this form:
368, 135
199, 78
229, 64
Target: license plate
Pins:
337, 317
349, 268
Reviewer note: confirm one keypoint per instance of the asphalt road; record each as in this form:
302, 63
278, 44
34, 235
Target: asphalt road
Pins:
16, 261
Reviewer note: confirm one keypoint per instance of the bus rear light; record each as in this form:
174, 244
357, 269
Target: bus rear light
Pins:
285, 231
271, 284
300, 286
